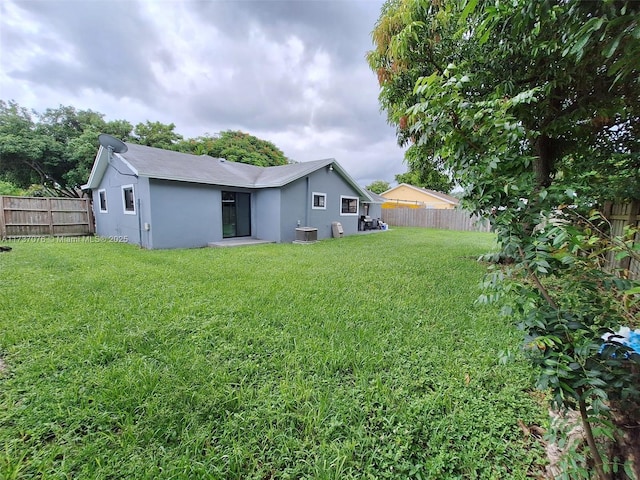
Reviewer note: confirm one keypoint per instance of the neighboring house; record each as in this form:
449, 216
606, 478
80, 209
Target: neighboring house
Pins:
405, 195
164, 199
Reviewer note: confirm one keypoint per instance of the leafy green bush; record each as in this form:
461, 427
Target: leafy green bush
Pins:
8, 188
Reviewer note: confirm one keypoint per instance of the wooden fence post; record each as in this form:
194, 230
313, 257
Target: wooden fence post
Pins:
632, 220
90, 218
50, 207
3, 227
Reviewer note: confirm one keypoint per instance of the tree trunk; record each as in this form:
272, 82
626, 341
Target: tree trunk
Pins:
543, 165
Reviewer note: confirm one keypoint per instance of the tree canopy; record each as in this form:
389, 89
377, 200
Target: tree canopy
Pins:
236, 146
156, 134
526, 94
534, 108
378, 186
56, 148
424, 172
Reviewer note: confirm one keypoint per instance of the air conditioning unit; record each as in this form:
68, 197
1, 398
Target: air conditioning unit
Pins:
306, 234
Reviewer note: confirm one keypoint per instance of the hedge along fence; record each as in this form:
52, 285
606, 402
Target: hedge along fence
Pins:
46, 216
620, 216
434, 218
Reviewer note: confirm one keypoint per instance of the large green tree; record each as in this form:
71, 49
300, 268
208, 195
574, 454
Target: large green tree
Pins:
534, 107
23, 148
424, 172
54, 149
156, 134
500, 80
236, 146
378, 186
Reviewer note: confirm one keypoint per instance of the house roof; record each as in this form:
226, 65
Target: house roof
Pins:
162, 164
375, 197
439, 195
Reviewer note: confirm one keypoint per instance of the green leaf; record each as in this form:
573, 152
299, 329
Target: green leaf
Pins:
469, 7
611, 48
583, 37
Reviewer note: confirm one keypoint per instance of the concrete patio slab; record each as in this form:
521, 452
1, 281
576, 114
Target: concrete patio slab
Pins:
238, 242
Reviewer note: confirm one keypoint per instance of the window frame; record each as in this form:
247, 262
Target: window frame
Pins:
349, 214
313, 198
124, 199
102, 193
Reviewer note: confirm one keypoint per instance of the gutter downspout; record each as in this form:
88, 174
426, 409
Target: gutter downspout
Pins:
139, 224
306, 208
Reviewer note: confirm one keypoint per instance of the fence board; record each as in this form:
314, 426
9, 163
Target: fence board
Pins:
34, 216
434, 218
621, 215
3, 230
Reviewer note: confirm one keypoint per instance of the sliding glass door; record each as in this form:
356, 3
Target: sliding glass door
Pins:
236, 214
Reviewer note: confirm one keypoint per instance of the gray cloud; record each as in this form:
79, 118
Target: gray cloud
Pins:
293, 72
103, 45
329, 24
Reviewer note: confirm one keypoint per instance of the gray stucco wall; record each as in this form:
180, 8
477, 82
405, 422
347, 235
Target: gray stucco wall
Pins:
184, 215
187, 215
375, 210
293, 209
115, 224
265, 210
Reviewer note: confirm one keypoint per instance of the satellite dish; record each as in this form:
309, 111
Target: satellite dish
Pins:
112, 144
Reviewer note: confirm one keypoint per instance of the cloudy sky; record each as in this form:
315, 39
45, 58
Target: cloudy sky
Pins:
289, 71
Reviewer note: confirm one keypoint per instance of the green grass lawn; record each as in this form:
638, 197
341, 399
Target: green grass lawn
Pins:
363, 357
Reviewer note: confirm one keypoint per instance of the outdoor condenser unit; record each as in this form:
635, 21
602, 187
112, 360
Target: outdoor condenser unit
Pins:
306, 234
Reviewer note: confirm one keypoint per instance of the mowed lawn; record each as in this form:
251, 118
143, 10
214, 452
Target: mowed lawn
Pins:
361, 357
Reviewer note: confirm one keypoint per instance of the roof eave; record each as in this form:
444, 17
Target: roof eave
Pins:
133, 169
93, 181
317, 165
197, 180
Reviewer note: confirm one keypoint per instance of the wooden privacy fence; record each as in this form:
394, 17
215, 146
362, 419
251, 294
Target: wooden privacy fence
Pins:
46, 216
434, 218
621, 215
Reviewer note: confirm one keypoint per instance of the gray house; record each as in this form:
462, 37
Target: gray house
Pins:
164, 199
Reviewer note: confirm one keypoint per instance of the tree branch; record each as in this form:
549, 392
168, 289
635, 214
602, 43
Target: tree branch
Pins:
593, 449
541, 288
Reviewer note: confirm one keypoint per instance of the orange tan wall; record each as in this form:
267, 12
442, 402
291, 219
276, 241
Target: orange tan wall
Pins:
410, 195
399, 204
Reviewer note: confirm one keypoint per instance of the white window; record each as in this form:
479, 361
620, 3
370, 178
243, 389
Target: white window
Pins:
102, 199
348, 205
319, 201
128, 200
